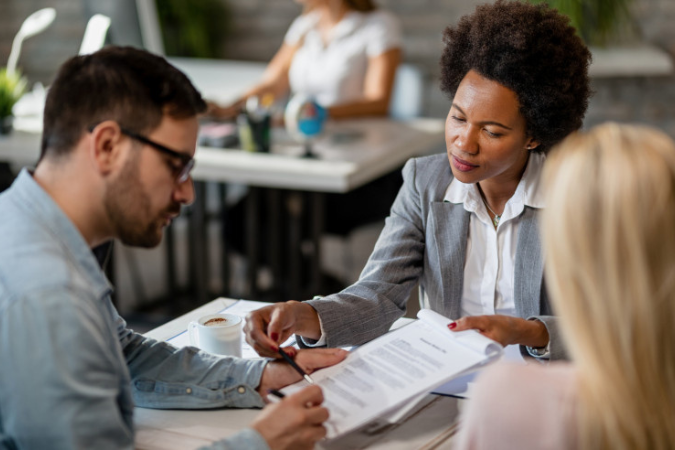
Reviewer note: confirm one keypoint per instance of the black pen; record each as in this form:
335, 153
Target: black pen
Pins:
276, 393
297, 368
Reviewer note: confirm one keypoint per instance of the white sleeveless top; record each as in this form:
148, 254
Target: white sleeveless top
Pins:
335, 73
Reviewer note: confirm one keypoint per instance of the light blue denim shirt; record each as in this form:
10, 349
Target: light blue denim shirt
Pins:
70, 369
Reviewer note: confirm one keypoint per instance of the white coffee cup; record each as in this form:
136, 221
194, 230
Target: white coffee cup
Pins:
219, 334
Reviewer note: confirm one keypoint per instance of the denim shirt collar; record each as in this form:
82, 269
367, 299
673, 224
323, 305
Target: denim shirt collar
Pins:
38, 204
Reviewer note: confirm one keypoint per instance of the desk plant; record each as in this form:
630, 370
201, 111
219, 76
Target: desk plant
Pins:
12, 87
195, 28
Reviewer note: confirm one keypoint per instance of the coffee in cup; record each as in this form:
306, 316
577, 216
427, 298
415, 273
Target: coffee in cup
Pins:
219, 334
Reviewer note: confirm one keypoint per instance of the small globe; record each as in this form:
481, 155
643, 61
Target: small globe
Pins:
304, 117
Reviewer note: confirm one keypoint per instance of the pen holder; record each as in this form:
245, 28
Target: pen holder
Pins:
254, 132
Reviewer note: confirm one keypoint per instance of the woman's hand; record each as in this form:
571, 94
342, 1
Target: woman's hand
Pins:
296, 422
223, 112
270, 326
506, 330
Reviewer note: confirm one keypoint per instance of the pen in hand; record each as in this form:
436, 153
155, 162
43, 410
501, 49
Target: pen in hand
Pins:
277, 394
293, 364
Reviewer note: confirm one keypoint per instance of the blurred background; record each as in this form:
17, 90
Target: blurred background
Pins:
632, 76
252, 30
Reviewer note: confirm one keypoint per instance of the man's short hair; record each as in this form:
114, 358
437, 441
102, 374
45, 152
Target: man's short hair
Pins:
131, 86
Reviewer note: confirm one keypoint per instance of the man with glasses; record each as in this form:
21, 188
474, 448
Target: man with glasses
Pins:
120, 129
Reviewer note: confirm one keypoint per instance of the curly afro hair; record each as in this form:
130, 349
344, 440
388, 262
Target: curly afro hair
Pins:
530, 49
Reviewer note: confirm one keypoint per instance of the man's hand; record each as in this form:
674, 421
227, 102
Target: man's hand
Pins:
506, 330
295, 422
270, 326
278, 374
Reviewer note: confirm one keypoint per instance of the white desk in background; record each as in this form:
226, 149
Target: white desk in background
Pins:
351, 154
372, 147
430, 428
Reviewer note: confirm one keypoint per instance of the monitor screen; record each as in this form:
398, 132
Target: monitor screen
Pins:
133, 22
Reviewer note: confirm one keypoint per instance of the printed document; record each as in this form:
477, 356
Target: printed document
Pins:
384, 374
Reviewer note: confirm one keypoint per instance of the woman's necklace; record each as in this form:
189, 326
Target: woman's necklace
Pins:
495, 219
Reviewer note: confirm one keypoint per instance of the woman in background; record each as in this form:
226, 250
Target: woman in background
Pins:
343, 53
610, 254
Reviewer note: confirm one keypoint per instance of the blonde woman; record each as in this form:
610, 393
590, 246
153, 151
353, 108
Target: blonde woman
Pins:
610, 254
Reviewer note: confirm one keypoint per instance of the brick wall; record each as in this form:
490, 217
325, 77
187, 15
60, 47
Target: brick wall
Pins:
259, 27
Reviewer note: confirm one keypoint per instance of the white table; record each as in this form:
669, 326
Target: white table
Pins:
430, 428
376, 147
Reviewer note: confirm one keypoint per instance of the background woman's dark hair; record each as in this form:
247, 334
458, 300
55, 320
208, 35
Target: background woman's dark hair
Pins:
530, 49
128, 85
361, 5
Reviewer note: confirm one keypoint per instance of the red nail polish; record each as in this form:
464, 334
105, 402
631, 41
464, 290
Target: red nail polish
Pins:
275, 348
274, 336
453, 325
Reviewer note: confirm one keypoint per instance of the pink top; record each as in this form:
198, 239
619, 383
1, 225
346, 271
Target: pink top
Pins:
521, 407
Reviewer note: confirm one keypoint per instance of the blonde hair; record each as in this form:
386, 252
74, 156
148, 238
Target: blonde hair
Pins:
609, 235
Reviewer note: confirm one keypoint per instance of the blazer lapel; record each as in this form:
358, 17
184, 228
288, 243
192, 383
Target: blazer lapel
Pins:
529, 266
450, 228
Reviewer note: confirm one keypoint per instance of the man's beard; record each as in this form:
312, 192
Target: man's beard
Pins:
129, 209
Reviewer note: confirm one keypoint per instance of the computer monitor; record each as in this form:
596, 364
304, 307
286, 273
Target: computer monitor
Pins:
136, 23
133, 22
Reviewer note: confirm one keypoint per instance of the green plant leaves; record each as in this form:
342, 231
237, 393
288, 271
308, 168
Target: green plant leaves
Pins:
193, 28
596, 21
12, 87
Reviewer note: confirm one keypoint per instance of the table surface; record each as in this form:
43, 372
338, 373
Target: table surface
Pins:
430, 428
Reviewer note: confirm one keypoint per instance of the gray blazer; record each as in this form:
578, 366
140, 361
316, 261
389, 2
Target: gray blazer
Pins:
424, 240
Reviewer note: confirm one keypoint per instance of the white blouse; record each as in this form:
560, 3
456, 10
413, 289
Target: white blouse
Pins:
335, 72
489, 268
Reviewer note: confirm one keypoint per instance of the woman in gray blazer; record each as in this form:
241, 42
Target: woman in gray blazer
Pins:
465, 225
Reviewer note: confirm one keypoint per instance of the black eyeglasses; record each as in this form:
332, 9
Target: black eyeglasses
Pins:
187, 163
